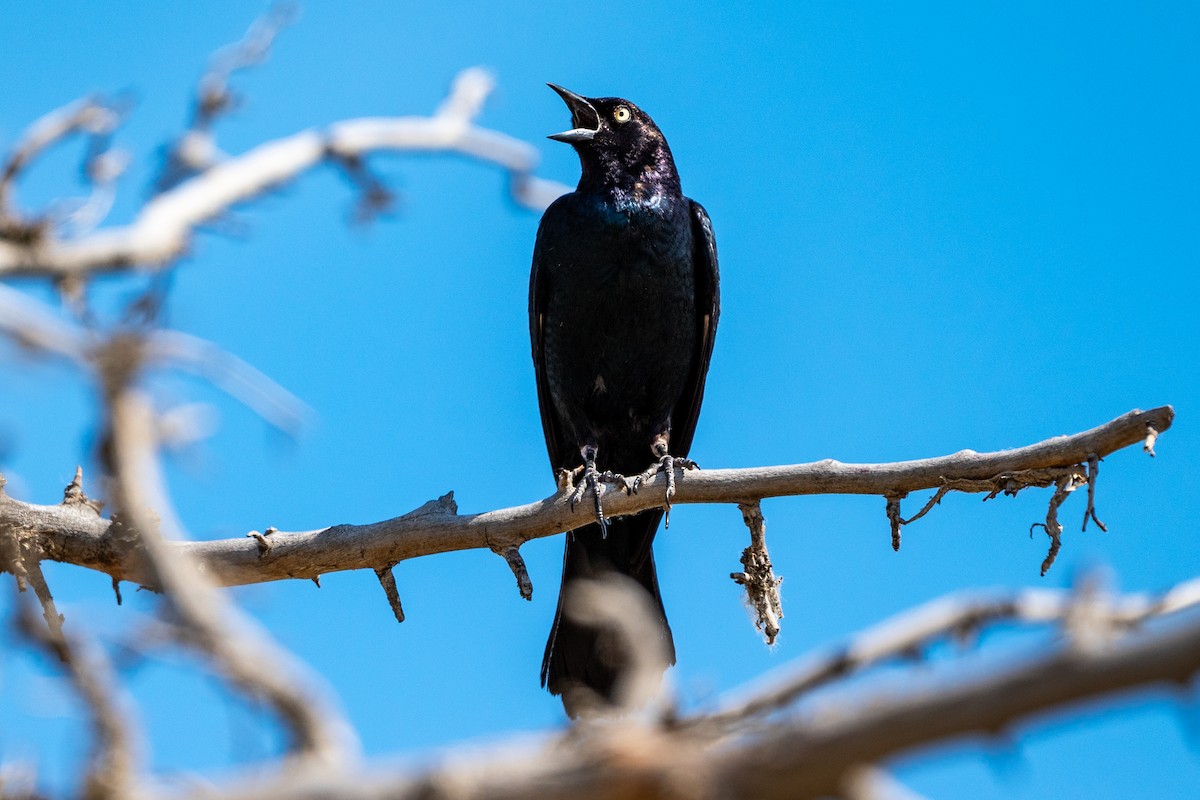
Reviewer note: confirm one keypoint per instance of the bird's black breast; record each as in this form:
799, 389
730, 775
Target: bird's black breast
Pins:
617, 303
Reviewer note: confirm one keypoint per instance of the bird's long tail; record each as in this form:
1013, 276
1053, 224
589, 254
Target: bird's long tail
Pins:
583, 664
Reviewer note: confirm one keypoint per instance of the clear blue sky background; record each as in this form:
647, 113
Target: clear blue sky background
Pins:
942, 226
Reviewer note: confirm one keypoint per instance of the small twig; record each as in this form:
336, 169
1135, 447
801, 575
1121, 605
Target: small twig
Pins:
82, 115
196, 150
33, 573
102, 167
388, 581
254, 389
942, 491
1090, 511
33, 324
374, 197
1063, 488
894, 518
113, 763
512, 556
264, 544
762, 587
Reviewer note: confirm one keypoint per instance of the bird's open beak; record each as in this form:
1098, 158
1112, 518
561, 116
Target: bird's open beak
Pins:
584, 118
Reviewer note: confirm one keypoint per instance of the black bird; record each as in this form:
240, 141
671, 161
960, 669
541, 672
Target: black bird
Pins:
623, 307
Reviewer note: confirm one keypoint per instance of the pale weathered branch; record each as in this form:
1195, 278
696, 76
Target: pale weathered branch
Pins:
817, 752
436, 528
114, 760
959, 617
805, 759
196, 150
162, 231
205, 617
36, 325
872, 783
91, 116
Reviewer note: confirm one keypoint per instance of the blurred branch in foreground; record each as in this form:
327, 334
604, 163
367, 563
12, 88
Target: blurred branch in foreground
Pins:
780, 742
195, 189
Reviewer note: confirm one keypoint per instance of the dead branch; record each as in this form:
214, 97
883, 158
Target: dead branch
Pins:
958, 617
206, 619
388, 581
818, 750
64, 535
87, 116
37, 326
162, 231
114, 761
1090, 512
196, 150
804, 760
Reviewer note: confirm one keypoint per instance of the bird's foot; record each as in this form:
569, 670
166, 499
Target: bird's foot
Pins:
667, 464
629, 485
593, 480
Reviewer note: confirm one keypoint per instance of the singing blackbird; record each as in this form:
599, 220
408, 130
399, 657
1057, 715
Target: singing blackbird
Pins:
623, 307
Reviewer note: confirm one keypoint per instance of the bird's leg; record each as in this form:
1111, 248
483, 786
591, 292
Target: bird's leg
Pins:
592, 479
667, 463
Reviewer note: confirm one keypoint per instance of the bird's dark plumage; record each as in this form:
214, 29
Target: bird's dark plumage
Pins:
623, 307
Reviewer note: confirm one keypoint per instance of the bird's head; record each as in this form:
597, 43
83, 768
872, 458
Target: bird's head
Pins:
617, 142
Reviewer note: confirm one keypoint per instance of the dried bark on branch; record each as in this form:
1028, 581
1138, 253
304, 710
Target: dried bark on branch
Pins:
64, 534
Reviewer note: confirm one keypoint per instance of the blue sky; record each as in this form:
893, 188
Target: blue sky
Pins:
941, 226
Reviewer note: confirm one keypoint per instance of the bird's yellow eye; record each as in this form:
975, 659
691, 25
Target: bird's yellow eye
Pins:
622, 114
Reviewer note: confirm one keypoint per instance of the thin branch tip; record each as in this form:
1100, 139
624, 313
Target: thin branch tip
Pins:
1151, 438
512, 556
894, 518
388, 581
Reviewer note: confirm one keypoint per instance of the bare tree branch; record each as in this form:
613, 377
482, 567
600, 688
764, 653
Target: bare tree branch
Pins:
819, 751
196, 150
952, 617
436, 528
162, 231
35, 325
207, 620
804, 760
872, 783
89, 116
114, 760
